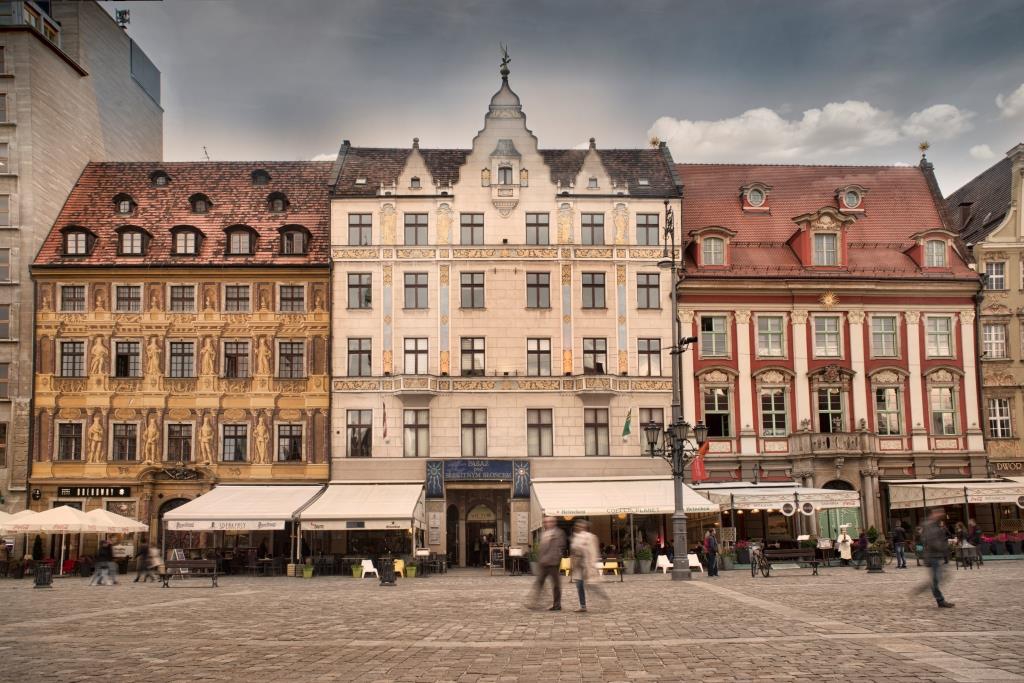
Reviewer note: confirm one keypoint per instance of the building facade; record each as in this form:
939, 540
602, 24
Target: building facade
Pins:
181, 334
835, 313
498, 316
987, 211
74, 88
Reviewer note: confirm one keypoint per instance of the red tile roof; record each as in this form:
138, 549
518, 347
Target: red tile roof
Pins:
898, 204
235, 201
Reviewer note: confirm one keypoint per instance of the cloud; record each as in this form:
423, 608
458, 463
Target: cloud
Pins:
981, 152
1012, 104
837, 128
328, 156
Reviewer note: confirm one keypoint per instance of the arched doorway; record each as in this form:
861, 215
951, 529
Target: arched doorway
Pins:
481, 531
174, 539
452, 535
838, 485
830, 520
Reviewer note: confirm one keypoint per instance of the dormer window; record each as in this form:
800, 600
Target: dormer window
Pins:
77, 242
414, 183
360, 181
713, 251
124, 204
294, 241
131, 243
935, 254
755, 197
851, 199
260, 177
504, 175
592, 184
186, 242
159, 179
277, 202
643, 182
200, 203
241, 241
826, 249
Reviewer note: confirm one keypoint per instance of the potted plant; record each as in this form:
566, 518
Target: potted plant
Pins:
357, 571
534, 554
727, 558
1014, 543
643, 560
410, 569
628, 561
307, 569
743, 552
986, 545
1001, 546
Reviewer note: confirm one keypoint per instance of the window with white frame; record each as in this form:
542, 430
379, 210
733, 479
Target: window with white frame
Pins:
770, 336
826, 249
826, 336
996, 275
716, 411
714, 336
999, 423
830, 410
539, 432
935, 254
416, 437
72, 298
943, 407
994, 340
595, 431
887, 411
939, 338
773, 412
713, 251
883, 336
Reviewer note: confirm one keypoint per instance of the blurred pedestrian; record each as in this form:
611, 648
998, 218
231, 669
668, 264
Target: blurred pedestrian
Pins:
153, 563
936, 549
899, 545
583, 554
549, 557
141, 560
105, 566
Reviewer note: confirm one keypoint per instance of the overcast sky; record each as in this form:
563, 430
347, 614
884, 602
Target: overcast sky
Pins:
821, 81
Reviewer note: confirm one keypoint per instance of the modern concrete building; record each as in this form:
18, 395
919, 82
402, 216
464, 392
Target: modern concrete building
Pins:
74, 88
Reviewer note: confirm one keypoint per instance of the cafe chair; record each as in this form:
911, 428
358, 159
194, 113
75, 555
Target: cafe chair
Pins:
565, 566
694, 563
368, 569
609, 566
663, 564
400, 568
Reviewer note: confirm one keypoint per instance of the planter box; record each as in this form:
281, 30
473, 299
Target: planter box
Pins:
643, 566
410, 571
629, 566
743, 556
999, 548
307, 572
357, 571
725, 562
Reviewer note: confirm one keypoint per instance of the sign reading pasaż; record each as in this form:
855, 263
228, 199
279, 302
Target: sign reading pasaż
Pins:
95, 491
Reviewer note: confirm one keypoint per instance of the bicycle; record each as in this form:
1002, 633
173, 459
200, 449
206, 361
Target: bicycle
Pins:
758, 562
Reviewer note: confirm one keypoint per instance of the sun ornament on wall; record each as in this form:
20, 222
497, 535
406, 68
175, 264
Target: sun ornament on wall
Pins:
828, 300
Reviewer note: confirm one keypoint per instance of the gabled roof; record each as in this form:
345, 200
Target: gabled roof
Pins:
900, 204
989, 195
235, 201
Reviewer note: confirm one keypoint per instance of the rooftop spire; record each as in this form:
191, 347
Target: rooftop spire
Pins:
505, 59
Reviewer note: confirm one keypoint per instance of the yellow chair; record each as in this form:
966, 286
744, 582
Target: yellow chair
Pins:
565, 566
611, 566
400, 568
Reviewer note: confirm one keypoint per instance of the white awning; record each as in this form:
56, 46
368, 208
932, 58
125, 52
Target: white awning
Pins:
919, 495
750, 496
586, 497
356, 507
245, 508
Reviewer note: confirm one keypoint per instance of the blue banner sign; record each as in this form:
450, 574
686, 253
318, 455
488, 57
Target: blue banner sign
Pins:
478, 469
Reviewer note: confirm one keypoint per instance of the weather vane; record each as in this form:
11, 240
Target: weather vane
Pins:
924, 147
505, 59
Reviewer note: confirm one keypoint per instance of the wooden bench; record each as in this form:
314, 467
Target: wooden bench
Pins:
206, 569
804, 555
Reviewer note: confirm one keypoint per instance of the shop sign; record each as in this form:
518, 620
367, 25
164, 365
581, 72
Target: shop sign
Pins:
478, 469
225, 525
1009, 466
94, 491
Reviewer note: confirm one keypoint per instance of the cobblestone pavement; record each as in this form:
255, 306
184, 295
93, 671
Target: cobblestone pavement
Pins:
844, 625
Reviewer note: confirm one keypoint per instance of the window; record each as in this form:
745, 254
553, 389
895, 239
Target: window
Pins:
592, 183
415, 290
128, 298
593, 228
935, 254
648, 290
235, 444
291, 298
277, 202
826, 336
538, 357
5, 380
595, 431
538, 228
200, 203
236, 298
72, 359
648, 356
125, 441
887, 411
293, 242
472, 290
714, 339
883, 336
5, 212
185, 243
770, 337
657, 416
236, 359
3, 444
716, 412
595, 355
183, 298
474, 433
417, 433
999, 424
416, 229
3, 57
593, 290
69, 441
359, 357
123, 204
826, 249
360, 433
504, 175
183, 359
773, 412
647, 232
240, 243
414, 183
538, 290
830, 410
179, 442
5, 321
472, 225
131, 243
943, 411
5, 153
159, 179
289, 443
472, 356
359, 290
360, 229
416, 355
755, 197
127, 359
940, 337
713, 251
72, 298
260, 177
76, 243
291, 359
5, 265
994, 340
539, 432
996, 272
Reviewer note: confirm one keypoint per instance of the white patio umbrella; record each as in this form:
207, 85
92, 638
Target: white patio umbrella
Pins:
111, 522
59, 520
9, 526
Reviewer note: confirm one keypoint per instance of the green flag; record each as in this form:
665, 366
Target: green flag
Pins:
627, 428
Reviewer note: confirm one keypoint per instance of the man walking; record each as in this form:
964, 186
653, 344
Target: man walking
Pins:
936, 547
552, 545
584, 553
711, 552
899, 543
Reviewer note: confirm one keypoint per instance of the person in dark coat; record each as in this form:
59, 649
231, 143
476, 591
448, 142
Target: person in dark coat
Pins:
141, 561
711, 552
552, 547
899, 544
936, 549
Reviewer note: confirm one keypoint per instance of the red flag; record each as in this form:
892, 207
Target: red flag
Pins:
698, 472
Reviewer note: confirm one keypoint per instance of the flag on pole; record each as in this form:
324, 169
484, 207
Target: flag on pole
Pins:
698, 472
627, 428
385, 420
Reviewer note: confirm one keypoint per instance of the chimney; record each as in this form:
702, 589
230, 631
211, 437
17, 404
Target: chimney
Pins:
965, 213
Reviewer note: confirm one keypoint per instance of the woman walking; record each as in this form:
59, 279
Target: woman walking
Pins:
584, 556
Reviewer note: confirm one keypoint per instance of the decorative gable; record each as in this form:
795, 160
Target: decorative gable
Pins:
821, 238
710, 246
415, 177
593, 178
932, 249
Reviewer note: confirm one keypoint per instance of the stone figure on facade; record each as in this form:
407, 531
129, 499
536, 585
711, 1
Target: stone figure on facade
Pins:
208, 358
565, 224
98, 354
263, 357
208, 302
388, 218
206, 441
101, 299
620, 216
154, 301
95, 440
260, 436
45, 305
318, 303
264, 302
153, 357
150, 441
444, 224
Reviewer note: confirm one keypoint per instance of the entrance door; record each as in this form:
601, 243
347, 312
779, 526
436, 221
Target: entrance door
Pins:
481, 532
174, 539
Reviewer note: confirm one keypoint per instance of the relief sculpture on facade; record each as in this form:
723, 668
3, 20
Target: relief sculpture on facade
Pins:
151, 442
388, 217
620, 217
206, 441
565, 224
259, 438
95, 453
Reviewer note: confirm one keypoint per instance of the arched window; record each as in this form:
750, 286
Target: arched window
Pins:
200, 203
277, 202
935, 254
159, 179
713, 251
78, 241
294, 241
131, 242
186, 241
124, 204
241, 241
260, 177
